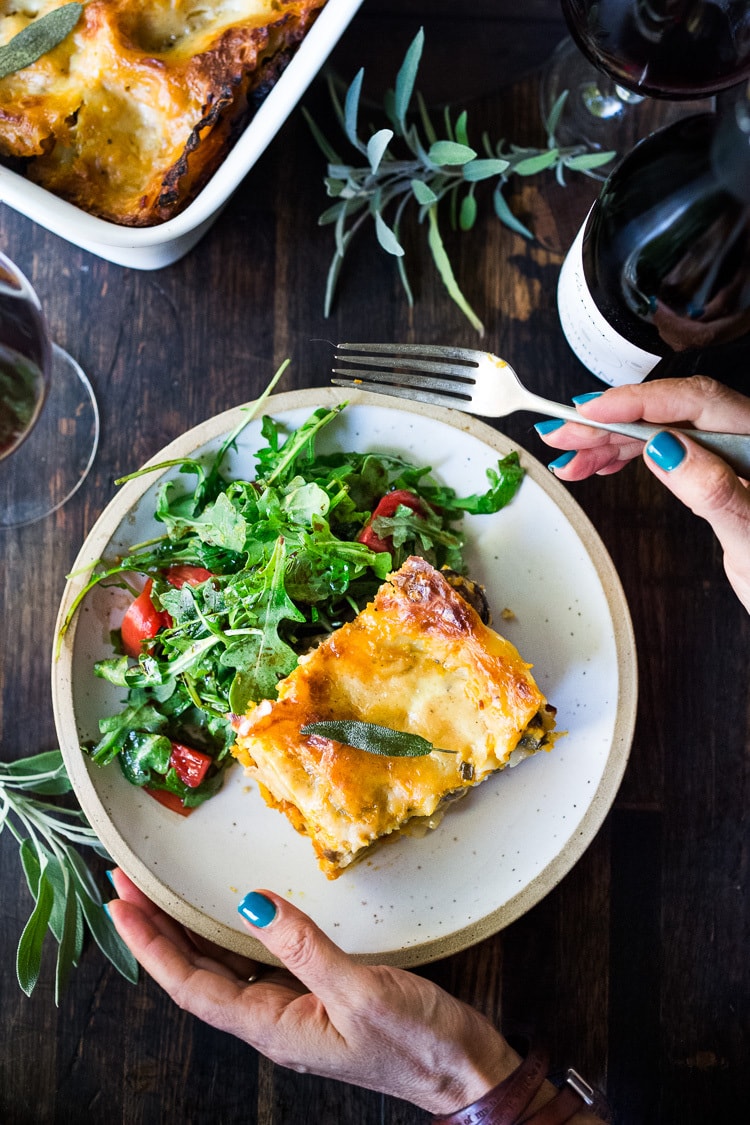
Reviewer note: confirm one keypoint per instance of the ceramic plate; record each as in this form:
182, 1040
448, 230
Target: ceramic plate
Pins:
498, 851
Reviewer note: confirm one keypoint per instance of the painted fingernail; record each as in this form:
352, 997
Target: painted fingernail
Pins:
107, 911
110, 876
257, 909
562, 461
548, 425
580, 399
666, 451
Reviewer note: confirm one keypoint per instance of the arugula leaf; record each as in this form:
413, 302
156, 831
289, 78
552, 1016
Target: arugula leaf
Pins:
504, 484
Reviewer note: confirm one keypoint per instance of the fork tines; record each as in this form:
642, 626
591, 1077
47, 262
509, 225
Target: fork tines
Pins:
397, 369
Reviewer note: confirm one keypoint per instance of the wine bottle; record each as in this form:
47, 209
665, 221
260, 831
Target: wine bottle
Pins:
662, 262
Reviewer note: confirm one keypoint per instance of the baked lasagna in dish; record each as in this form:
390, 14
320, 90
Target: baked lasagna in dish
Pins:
417, 659
131, 114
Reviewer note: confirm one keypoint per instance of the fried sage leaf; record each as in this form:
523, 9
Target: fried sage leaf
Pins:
37, 38
374, 738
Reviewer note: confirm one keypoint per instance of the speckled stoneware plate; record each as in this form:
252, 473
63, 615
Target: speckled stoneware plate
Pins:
498, 851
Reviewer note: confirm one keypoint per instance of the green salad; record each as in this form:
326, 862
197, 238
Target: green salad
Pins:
247, 576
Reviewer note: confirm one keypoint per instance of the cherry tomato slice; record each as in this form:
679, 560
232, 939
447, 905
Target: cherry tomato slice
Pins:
179, 576
142, 622
387, 506
169, 800
190, 765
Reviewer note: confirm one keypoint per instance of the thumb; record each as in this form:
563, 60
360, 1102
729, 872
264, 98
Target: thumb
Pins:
300, 945
707, 485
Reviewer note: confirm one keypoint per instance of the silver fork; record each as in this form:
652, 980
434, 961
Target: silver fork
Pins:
480, 383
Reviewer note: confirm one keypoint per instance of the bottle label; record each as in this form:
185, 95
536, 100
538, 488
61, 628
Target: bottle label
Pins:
606, 353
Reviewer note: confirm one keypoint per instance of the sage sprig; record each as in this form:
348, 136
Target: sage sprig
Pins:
67, 900
38, 37
374, 738
429, 170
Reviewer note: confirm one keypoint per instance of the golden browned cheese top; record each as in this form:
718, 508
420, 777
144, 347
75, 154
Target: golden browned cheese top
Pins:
129, 116
417, 659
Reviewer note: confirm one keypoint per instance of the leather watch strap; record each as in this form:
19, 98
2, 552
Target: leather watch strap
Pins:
574, 1096
503, 1104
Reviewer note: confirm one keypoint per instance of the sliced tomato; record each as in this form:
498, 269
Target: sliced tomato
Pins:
169, 800
142, 622
387, 506
190, 765
179, 576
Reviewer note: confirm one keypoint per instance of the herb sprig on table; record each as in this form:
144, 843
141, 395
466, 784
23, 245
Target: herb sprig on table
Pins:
430, 170
67, 900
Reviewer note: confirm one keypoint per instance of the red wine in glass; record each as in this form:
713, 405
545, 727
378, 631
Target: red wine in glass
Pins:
24, 358
677, 49
49, 420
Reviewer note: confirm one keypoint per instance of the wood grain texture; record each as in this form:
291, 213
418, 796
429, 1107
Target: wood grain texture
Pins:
635, 967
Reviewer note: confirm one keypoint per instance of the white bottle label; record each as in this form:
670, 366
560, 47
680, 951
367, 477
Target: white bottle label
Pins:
605, 352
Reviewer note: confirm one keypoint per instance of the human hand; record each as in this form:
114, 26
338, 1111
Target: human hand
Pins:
370, 1025
700, 479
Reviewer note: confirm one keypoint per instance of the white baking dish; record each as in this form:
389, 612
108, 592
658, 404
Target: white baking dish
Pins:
150, 248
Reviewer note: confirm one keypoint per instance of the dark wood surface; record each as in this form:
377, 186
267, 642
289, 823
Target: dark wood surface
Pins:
635, 967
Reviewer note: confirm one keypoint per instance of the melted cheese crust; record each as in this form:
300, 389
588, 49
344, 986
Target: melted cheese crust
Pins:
132, 113
417, 659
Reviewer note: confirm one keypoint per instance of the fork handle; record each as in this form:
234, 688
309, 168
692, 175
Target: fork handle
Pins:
733, 448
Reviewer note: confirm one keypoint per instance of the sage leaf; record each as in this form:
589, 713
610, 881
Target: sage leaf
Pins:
444, 268
506, 216
58, 878
588, 160
533, 164
322, 142
406, 78
373, 738
450, 152
376, 147
554, 116
44, 773
68, 939
31, 866
351, 111
461, 133
37, 38
29, 954
423, 193
424, 116
484, 169
386, 237
468, 213
108, 939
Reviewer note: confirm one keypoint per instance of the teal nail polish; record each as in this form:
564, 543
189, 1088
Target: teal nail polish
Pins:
563, 460
666, 451
548, 425
110, 877
580, 399
107, 911
257, 909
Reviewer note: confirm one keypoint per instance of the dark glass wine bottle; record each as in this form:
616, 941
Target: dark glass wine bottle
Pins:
662, 262
665, 48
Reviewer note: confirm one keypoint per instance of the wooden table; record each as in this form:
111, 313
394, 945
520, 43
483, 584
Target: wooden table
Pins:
635, 967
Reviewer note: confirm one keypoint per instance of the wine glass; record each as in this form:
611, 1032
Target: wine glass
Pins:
49, 420
631, 49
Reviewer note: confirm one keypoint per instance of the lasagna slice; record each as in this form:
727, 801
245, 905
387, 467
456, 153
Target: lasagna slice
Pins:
417, 659
135, 110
